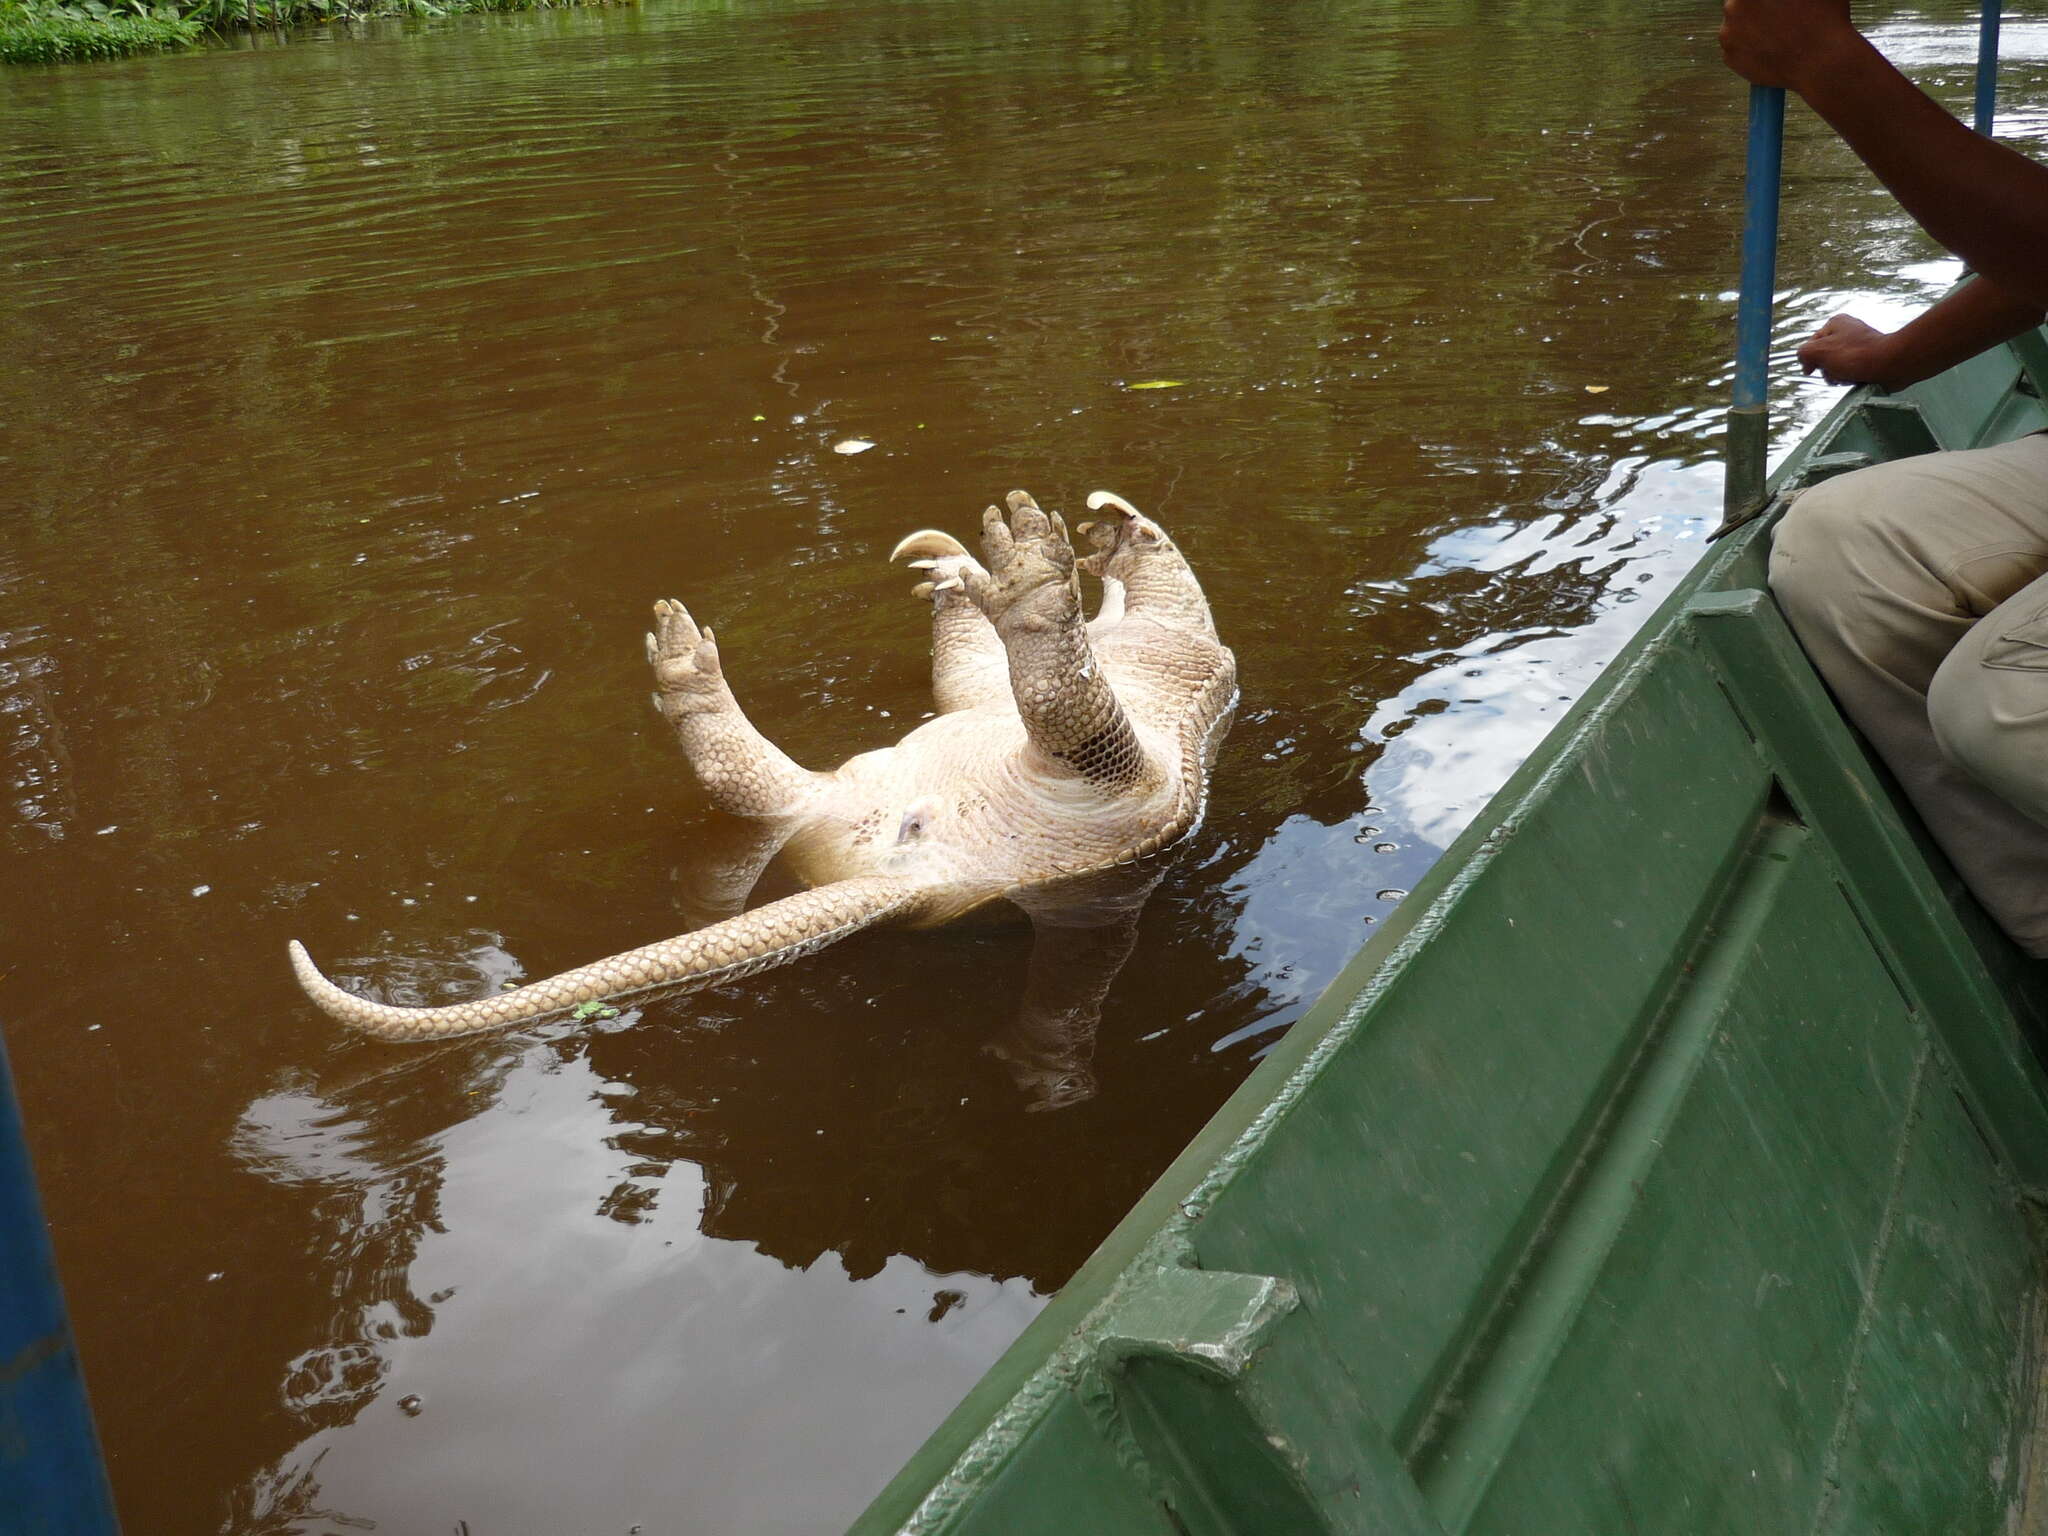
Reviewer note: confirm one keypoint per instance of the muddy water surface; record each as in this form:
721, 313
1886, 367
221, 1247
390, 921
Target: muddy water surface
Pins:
361, 392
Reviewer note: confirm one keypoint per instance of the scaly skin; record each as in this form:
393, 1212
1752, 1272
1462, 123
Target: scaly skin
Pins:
739, 946
741, 769
1065, 748
968, 664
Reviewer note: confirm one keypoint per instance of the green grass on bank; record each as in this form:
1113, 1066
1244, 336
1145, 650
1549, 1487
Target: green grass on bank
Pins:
53, 31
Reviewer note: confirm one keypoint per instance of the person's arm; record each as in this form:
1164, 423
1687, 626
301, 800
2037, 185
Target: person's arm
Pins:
1985, 202
1977, 315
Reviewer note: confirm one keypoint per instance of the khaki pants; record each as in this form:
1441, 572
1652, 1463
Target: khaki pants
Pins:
1920, 590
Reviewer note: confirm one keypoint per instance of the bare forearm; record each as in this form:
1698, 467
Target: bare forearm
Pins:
1978, 315
1980, 199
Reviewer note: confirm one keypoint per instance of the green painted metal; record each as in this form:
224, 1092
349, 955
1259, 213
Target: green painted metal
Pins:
1665, 1165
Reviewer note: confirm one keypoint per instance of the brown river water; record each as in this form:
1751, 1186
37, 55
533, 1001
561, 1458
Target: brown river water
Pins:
362, 390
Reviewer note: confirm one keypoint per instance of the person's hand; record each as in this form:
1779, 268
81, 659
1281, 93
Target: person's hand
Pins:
1846, 351
1783, 42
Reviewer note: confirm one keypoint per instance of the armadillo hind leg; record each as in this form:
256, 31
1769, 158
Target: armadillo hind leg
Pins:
742, 770
967, 656
1133, 550
1061, 691
768, 936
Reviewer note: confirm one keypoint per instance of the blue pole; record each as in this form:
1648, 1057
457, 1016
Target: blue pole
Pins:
1987, 67
51, 1480
1748, 420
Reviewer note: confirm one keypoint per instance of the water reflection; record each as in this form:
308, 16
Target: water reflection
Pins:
669, 1309
32, 746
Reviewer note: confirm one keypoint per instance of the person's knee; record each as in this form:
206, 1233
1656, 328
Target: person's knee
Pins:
1962, 727
1842, 527
1999, 748
1810, 542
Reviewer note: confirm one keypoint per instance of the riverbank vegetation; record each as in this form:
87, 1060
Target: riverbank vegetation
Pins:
32, 33
53, 31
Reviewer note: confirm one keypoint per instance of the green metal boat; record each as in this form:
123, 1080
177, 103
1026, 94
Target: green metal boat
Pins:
1666, 1165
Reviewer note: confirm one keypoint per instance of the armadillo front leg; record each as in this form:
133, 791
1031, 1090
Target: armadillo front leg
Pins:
1033, 598
742, 770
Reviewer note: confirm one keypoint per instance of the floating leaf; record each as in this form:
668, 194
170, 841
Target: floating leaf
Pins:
1158, 384
760, 418
594, 1011
852, 445
1596, 389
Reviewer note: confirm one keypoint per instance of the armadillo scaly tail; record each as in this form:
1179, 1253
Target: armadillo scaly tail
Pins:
753, 941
